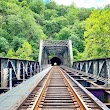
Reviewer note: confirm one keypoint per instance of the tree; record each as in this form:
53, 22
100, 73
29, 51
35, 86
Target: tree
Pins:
3, 7
14, 24
4, 45
76, 54
32, 30
51, 5
64, 33
17, 43
97, 34
37, 6
11, 54
25, 51
50, 13
1, 18
71, 14
62, 10
61, 21
29, 21
77, 43
50, 27
83, 13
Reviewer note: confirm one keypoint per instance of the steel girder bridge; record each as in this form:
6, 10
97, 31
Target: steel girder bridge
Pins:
56, 51
93, 75
15, 71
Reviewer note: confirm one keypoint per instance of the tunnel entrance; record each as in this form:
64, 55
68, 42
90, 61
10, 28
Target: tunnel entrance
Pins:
55, 60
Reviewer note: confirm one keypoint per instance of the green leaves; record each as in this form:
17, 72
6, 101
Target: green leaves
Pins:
50, 13
64, 33
11, 54
71, 15
16, 43
4, 45
24, 22
25, 51
14, 24
37, 6
97, 34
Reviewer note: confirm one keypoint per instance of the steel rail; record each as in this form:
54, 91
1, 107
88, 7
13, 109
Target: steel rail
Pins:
90, 95
38, 99
60, 91
83, 106
33, 89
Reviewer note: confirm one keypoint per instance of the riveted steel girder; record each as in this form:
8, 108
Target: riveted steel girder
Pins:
57, 48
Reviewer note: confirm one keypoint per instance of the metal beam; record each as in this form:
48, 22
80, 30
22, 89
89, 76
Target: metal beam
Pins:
71, 52
21, 69
57, 48
40, 51
99, 69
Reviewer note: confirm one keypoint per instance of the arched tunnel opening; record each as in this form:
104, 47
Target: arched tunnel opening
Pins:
55, 60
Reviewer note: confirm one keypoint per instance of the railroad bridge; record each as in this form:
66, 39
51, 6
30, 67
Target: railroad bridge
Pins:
59, 51
69, 85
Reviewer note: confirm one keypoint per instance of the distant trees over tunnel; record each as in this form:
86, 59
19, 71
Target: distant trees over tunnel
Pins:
31, 20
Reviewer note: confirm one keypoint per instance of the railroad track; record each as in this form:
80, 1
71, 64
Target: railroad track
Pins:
57, 91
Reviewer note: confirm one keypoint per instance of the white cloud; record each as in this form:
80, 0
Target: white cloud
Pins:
84, 3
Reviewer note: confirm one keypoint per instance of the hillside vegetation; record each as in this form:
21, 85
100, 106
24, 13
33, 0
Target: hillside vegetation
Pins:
23, 23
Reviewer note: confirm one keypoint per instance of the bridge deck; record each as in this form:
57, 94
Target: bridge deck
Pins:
59, 91
12, 98
44, 87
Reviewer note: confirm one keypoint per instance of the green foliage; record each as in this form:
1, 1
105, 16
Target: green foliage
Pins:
38, 19
4, 45
51, 5
71, 15
16, 43
64, 33
61, 21
77, 43
3, 7
83, 13
25, 51
76, 54
50, 27
11, 54
14, 24
97, 34
62, 10
49, 13
24, 22
37, 6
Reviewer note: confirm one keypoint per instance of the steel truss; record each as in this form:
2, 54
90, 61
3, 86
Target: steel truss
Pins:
59, 48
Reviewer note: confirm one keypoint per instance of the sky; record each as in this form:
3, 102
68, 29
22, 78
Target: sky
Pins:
84, 3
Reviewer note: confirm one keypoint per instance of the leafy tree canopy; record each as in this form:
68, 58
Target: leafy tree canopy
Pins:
24, 22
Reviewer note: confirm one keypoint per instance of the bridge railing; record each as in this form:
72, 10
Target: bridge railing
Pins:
17, 70
99, 69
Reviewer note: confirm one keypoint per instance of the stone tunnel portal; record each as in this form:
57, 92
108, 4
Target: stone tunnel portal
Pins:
55, 60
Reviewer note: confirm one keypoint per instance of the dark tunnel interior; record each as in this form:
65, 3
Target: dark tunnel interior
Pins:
55, 60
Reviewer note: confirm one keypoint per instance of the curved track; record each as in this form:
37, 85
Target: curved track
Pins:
57, 91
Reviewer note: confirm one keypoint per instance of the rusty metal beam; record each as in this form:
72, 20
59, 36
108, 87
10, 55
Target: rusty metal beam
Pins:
98, 68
